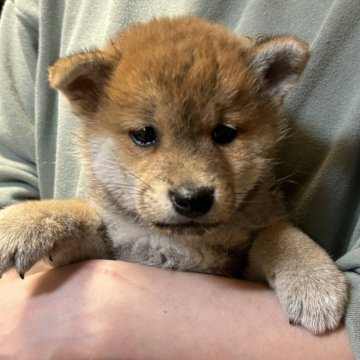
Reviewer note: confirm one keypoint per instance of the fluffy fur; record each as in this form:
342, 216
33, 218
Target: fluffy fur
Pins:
184, 78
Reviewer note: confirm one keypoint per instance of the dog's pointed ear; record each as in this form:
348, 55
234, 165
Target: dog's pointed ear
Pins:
81, 78
278, 62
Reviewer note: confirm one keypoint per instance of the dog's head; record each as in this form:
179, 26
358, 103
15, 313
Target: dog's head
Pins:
180, 117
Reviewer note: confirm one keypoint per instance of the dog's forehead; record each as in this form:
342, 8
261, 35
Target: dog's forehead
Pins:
178, 56
183, 73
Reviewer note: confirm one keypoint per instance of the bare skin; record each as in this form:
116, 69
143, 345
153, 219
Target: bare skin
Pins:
114, 310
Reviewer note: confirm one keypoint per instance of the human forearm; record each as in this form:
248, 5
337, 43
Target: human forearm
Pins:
108, 309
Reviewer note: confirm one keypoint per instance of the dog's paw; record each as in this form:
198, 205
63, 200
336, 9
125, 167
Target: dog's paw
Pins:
314, 299
28, 233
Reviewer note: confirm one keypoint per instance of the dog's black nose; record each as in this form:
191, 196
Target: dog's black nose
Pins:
191, 202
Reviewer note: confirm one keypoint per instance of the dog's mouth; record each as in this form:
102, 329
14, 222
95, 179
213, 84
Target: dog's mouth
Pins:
190, 227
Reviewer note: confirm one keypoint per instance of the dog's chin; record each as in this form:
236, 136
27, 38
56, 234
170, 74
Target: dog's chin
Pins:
191, 228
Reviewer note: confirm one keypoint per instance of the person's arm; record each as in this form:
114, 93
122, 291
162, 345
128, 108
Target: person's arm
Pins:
111, 310
18, 53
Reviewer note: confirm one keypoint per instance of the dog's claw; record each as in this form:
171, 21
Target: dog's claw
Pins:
50, 258
22, 275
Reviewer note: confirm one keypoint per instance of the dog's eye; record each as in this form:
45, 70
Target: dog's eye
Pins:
224, 134
145, 136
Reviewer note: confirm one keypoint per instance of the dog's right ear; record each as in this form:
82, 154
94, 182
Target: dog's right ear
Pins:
81, 78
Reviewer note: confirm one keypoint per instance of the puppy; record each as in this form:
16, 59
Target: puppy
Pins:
180, 120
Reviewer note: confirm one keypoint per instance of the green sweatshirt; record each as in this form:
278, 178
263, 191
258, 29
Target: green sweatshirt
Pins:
319, 161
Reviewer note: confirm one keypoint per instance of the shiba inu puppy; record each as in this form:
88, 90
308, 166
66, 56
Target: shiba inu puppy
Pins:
180, 120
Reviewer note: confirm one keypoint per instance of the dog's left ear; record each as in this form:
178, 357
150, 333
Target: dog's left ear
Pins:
81, 78
279, 62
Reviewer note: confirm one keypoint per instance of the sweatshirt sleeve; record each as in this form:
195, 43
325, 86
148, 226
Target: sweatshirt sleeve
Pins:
349, 263
18, 57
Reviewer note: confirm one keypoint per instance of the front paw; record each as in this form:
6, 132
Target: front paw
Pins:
28, 233
315, 299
